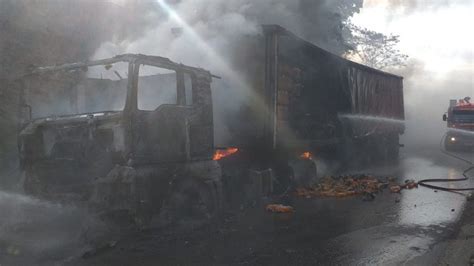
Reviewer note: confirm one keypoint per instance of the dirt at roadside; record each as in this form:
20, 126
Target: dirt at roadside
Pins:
460, 249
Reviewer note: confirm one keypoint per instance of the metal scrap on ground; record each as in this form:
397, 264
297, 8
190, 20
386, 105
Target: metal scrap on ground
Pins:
346, 186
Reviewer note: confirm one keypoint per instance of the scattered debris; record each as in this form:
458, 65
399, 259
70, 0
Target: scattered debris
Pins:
279, 208
341, 187
346, 186
395, 189
410, 184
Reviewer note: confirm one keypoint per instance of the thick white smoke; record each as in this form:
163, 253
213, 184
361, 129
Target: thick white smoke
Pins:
434, 35
220, 22
427, 96
206, 34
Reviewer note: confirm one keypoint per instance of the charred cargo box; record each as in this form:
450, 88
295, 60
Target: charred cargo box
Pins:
133, 133
307, 92
306, 99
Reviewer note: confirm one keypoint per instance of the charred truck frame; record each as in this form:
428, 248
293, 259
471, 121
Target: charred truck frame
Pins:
159, 160
129, 161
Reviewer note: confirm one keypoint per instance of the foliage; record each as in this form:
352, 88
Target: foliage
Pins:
375, 49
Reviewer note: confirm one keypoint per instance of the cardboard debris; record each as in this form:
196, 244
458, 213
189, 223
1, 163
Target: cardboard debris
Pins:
347, 186
395, 189
279, 208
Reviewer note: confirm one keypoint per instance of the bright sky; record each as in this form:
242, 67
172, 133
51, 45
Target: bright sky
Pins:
440, 36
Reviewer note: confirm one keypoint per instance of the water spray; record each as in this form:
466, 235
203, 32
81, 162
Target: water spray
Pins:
372, 118
424, 182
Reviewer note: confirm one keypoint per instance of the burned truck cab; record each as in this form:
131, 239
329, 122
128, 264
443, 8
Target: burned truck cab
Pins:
124, 134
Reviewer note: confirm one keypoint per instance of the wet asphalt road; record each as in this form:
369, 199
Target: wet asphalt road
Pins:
391, 230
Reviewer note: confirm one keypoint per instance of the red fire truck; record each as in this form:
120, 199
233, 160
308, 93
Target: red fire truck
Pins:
460, 120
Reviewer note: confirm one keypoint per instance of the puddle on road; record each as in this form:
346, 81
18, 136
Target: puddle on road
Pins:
383, 245
424, 206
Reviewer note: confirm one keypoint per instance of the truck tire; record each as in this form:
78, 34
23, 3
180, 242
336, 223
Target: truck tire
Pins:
393, 145
195, 196
192, 203
305, 172
346, 151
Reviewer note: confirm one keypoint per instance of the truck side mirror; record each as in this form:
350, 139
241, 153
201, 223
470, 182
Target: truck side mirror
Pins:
445, 117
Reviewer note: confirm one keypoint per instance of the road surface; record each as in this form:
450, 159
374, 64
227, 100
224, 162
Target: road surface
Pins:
393, 229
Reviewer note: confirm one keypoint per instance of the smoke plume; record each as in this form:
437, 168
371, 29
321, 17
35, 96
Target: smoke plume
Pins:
207, 34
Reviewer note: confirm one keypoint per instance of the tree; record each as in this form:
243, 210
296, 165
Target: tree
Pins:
375, 49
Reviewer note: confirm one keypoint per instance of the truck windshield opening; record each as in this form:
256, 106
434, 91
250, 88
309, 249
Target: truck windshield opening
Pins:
92, 90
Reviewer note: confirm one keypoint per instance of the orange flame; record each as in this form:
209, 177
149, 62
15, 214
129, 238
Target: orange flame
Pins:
306, 155
222, 153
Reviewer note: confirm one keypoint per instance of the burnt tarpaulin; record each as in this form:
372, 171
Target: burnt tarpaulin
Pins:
376, 100
374, 93
315, 88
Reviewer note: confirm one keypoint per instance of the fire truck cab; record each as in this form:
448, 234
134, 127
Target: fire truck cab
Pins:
460, 122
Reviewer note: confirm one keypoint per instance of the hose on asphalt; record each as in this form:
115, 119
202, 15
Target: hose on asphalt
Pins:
424, 182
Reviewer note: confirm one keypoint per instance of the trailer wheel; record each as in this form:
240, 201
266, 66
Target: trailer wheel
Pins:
384, 148
393, 147
304, 172
348, 153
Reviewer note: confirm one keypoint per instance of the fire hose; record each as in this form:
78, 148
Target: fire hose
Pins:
465, 176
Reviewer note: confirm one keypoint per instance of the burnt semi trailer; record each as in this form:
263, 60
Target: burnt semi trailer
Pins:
312, 102
133, 135
130, 136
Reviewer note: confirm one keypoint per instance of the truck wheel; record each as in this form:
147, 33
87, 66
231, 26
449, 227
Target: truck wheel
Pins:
393, 146
192, 203
305, 172
346, 152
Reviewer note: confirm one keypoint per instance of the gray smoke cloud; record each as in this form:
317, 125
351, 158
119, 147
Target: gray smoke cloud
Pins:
216, 21
410, 6
47, 32
427, 96
440, 67
212, 37
34, 231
